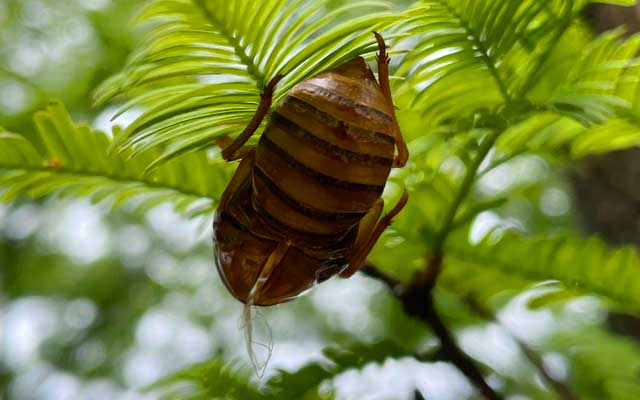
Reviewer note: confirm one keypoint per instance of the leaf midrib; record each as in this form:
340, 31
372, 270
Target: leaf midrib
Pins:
479, 44
113, 177
252, 68
527, 274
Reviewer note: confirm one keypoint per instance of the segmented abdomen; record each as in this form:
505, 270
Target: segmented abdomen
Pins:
326, 155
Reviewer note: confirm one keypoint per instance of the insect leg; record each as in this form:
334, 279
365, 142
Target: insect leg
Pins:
383, 67
369, 233
267, 269
383, 76
243, 172
233, 150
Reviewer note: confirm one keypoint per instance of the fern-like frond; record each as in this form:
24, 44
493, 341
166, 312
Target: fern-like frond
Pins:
204, 63
586, 265
602, 82
462, 278
72, 160
565, 138
210, 380
216, 379
595, 107
496, 55
474, 54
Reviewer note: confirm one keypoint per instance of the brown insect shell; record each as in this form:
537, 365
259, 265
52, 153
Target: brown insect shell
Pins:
320, 165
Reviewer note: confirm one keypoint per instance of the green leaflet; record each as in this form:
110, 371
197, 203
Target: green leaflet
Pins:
201, 69
615, 2
603, 80
72, 160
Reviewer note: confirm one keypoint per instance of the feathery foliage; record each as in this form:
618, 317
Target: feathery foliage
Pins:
583, 265
216, 380
483, 81
508, 262
204, 63
71, 160
501, 60
211, 380
475, 54
607, 68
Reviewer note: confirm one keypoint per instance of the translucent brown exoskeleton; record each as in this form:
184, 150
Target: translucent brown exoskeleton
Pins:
305, 203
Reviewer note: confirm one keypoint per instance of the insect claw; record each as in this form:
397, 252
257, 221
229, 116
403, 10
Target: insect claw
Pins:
270, 88
273, 82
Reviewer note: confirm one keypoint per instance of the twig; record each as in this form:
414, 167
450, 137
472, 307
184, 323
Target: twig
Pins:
561, 388
373, 272
417, 300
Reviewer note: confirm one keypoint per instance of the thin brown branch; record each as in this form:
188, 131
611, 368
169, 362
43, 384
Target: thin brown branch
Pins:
560, 387
373, 272
417, 301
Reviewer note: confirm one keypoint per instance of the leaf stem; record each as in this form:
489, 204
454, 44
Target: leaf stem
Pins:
484, 54
465, 188
240, 51
419, 303
112, 177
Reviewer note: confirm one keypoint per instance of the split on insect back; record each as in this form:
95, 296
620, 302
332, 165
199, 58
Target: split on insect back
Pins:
305, 203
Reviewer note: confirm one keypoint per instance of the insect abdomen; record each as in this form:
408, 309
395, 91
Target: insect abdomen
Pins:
325, 157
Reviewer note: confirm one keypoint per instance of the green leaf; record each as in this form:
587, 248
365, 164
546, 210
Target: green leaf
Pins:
552, 297
72, 160
585, 265
210, 380
603, 81
616, 134
474, 54
203, 63
215, 379
596, 107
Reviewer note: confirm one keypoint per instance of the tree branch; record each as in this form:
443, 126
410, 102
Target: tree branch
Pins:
417, 301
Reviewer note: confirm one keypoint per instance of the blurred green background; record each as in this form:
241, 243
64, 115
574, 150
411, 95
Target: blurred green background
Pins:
96, 303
